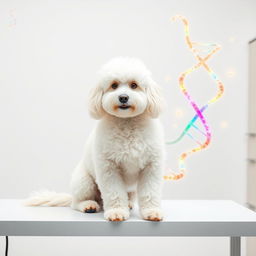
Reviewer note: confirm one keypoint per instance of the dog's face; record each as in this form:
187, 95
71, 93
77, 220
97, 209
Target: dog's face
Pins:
125, 90
124, 99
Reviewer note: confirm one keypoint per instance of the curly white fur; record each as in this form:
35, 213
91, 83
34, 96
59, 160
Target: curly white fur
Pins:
125, 152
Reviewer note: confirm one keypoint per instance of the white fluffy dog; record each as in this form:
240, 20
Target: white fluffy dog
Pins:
124, 153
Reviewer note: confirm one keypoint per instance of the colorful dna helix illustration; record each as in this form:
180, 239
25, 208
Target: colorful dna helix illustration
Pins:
199, 111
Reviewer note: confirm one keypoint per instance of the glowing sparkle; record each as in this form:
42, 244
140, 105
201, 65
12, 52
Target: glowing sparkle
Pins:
232, 39
167, 78
224, 124
179, 113
230, 73
175, 126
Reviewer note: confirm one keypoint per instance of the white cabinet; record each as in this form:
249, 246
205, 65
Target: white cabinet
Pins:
251, 165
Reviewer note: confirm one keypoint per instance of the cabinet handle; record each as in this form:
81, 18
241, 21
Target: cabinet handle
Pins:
251, 134
251, 161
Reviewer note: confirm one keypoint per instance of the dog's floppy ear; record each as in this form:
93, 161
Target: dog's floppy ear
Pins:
95, 103
155, 99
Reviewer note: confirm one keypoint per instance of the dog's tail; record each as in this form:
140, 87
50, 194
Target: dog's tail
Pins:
48, 198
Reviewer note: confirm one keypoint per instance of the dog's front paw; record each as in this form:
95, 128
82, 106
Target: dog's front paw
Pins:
116, 214
152, 214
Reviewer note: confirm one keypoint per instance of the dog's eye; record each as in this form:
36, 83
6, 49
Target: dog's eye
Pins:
133, 85
114, 85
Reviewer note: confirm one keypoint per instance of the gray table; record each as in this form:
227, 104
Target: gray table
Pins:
182, 218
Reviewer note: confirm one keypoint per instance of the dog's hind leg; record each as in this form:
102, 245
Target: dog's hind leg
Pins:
84, 192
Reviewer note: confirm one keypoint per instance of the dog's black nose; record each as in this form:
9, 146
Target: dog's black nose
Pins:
123, 98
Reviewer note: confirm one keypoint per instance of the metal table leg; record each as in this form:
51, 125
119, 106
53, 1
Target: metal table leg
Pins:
235, 246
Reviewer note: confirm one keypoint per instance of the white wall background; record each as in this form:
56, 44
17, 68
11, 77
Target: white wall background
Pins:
50, 52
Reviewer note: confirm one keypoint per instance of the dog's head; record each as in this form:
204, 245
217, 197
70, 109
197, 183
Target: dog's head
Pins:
125, 89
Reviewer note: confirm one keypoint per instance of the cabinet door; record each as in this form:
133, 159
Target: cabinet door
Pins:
252, 88
251, 248
251, 183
